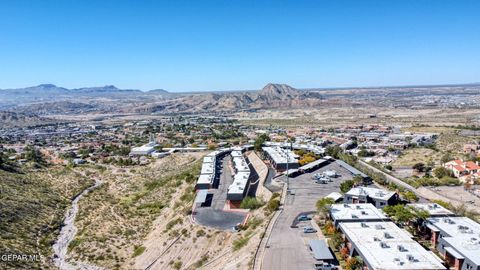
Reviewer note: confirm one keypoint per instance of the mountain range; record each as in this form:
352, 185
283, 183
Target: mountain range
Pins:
49, 99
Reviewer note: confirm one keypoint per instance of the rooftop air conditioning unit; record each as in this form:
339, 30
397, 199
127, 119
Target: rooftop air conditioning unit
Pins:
410, 258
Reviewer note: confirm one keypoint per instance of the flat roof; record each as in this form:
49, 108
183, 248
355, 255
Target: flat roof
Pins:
240, 179
374, 193
207, 168
201, 196
383, 245
240, 164
280, 155
209, 159
352, 212
433, 209
239, 184
351, 169
313, 164
463, 234
205, 179
335, 196
320, 250
236, 153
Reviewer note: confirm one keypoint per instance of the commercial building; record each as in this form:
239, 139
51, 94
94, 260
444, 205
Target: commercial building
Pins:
383, 245
458, 240
378, 197
281, 158
340, 213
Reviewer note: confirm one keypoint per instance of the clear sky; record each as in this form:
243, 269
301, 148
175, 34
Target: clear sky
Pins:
226, 45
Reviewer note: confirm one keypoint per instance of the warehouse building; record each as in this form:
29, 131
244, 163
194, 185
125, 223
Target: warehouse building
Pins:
378, 197
356, 213
383, 245
280, 158
458, 240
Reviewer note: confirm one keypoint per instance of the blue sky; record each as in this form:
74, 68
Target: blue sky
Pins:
227, 45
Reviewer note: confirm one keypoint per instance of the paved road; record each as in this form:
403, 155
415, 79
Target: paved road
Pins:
220, 194
288, 247
390, 178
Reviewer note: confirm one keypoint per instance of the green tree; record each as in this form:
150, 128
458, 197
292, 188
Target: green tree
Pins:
410, 196
400, 213
419, 167
323, 205
259, 141
441, 172
346, 186
333, 151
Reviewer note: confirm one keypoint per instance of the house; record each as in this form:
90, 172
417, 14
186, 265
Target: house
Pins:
462, 169
378, 197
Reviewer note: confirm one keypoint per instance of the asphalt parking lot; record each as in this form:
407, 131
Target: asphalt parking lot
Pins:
288, 247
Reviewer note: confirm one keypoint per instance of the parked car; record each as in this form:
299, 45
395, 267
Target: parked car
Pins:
303, 218
309, 230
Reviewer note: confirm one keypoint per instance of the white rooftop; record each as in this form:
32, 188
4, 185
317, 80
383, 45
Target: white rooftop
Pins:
209, 159
205, 179
464, 234
240, 179
240, 164
239, 183
432, 208
280, 155
351, 212
385, 246
374, 193
207, 168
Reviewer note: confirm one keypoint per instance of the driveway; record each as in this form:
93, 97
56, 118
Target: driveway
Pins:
288, 247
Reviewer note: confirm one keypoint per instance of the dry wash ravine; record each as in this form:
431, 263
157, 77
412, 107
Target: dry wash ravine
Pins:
67, 233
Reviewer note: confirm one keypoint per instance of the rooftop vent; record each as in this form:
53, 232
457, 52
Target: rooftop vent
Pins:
383, 245
376, 239
387, 235
379, 227
354, 216
363, 212
358, 206
401, 248
449, 221
364, 225
410, 258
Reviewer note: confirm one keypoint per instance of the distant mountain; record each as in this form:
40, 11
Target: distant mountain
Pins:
42, 93
278, 92
48, 99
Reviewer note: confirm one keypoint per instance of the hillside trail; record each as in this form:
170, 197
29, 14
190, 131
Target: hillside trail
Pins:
67, 234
